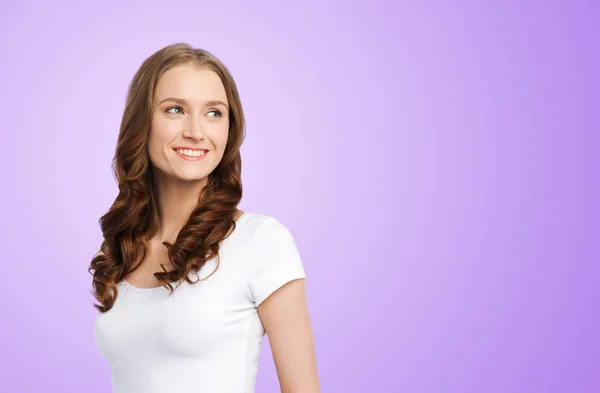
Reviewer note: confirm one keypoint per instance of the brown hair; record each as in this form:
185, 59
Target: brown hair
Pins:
132, 218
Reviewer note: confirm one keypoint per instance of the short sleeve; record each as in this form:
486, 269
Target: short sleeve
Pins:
274, 260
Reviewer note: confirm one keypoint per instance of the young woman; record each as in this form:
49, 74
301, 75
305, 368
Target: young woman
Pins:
187, 284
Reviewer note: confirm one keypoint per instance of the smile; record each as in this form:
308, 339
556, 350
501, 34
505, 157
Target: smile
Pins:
192, 155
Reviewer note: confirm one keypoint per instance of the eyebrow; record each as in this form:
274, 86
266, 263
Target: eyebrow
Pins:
185, 102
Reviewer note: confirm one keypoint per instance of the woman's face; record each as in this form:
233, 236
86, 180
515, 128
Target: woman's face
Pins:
190, 113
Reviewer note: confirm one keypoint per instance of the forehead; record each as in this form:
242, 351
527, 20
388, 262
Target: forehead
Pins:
192, 83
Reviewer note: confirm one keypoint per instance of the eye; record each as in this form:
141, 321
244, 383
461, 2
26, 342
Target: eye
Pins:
217, 113
174, 107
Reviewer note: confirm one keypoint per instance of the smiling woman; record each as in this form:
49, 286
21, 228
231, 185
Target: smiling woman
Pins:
188, 284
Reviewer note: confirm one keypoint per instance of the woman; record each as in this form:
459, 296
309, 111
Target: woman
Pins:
188, 284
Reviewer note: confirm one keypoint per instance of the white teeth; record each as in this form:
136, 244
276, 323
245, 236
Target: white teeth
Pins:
191, 153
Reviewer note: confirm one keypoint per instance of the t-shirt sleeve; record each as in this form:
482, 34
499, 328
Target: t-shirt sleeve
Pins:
274, 260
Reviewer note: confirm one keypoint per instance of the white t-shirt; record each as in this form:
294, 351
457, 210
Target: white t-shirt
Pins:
205, 337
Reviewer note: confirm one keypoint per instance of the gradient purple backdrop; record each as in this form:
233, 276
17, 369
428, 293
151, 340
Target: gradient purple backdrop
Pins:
436, 163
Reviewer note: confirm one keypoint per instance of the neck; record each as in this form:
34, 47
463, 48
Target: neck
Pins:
176, 199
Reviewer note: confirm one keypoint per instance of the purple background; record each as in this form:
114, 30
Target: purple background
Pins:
436, 163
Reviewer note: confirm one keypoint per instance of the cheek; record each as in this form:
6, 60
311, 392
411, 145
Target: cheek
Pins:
223, 135
160, 134
162, 129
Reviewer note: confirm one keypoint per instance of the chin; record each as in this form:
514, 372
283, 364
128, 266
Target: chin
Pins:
190, 178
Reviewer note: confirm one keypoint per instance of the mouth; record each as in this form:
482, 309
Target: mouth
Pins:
191, 154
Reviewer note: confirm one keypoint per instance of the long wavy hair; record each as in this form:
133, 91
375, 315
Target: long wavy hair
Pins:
133, 217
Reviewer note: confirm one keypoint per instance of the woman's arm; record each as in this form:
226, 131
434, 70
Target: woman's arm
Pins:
285, 316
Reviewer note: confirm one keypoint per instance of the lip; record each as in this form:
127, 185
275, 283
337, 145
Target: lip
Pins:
189, 148
192, 158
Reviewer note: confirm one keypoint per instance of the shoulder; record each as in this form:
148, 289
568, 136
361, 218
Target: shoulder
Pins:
255, 218
261, 227
273, 258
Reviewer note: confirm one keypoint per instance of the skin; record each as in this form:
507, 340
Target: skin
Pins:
200, 122
285, 317
194, 122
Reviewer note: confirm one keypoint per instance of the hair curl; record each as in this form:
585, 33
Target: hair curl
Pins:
132, 218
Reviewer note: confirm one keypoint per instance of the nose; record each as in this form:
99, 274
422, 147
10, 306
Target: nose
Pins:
193, 128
